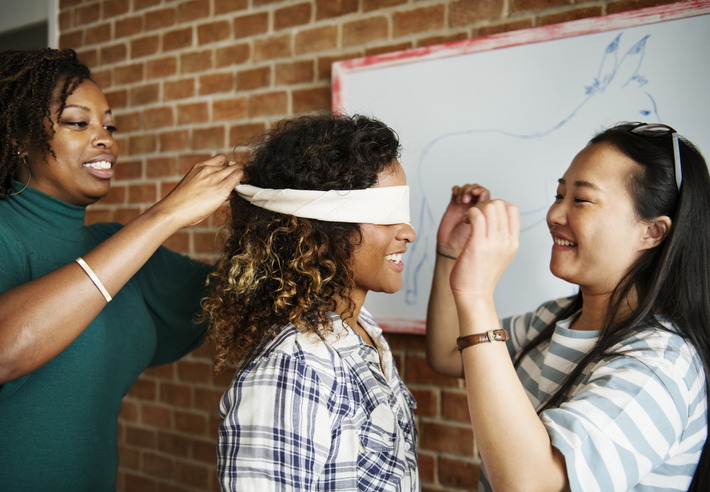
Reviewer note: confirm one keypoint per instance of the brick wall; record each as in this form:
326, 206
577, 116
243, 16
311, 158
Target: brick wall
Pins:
190, 78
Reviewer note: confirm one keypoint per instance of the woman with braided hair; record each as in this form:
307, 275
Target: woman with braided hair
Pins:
67, 354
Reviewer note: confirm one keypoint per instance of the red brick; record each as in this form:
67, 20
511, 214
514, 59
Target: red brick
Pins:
161, 167
187, 161
205, 451
194, 475
466, 12
192, 113
113, 8
406, 341
196, 372
272, 47
216, 82
190, 422
317, 99
161, 68
626, 5
224, 6
156, 415
369, 5
98, 34
144, 390
419, 372
158, 466
178, 89
145, 94
117, 99
166, 370
144, 4
145, 46
229, 109
458, 474
215, 422
253, 79
454, 406
115, 196
129, 411
95, 216
159, 19
507, 27
71, 39
569, 15
426, 402
141, 144
129, 458
90, 57
179, 395
87, 14
268, 104
333, 8
296, 15
446, 438
178, 140
232, 55
294, 72
125, 215
212, 32
196, 61
177, 39
419, 20
142, 193
65, 21
521, 5
173, 444
364, 31
128, 26
103, 78
137, 483
158, 117
193, 10
325, 63
251, 25
429, 41
113, 54
143, 438
243, 134
427, 467
317, 39
129, 74
128, 170
208, 138
204, 242
207, 400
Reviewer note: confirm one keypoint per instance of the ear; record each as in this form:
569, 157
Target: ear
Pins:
656, 231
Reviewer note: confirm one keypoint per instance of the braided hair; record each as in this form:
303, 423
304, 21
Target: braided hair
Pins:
28, 80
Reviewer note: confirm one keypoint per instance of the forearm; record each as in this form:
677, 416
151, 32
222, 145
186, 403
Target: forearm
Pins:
40, 318
442, 323
513, 443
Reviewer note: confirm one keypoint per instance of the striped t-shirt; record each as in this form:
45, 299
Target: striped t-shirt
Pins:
636, 421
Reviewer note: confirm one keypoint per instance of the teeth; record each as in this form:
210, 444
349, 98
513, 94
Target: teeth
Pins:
564, 242
394, 258
98, 165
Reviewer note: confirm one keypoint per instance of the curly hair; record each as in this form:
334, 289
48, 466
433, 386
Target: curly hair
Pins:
277, 268
28, 80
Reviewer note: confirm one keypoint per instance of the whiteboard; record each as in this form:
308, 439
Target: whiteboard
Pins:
510, 112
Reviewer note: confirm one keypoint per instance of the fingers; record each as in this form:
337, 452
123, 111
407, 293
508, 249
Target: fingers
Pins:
469, 193
494, 217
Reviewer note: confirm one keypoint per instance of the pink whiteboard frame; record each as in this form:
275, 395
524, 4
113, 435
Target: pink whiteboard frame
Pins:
593, 25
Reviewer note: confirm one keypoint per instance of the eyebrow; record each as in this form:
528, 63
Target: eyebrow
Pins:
108, 111
582, 184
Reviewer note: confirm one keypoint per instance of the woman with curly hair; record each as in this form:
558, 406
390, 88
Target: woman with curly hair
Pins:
316, 402
67, 354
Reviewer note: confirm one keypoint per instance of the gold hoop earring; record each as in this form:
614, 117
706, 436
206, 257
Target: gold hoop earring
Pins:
29, 177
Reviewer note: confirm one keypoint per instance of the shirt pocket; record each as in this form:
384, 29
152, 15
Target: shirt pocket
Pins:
379, 465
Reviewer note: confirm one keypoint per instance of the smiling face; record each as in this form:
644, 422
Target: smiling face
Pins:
596, 232
81, 168
377, 262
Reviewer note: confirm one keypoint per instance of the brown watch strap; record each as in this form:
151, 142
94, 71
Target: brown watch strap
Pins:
491, 336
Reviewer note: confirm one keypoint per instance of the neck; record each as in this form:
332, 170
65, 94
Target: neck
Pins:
595, 311
358, 299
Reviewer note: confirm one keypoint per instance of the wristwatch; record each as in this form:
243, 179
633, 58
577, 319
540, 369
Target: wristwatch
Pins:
491, 336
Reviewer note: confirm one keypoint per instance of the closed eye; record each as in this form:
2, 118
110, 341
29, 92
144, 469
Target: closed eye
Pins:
111, 128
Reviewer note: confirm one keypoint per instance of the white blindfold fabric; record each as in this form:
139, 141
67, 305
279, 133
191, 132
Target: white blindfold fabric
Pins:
386, 205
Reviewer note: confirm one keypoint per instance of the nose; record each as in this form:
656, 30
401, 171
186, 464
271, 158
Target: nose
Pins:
557, 214
103, 138
405, 232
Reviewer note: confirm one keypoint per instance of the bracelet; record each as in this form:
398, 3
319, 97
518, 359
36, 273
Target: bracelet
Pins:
491, 336
94, 279
446, 256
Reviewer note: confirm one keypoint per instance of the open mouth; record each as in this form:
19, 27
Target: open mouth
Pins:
395, 258
563, 242
100, 165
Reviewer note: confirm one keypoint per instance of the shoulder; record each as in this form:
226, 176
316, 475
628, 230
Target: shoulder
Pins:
539, 319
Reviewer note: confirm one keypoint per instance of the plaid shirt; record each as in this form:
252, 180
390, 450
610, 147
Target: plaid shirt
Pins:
309, 414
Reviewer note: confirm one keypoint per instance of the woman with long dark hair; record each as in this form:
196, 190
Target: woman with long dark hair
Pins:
606, 390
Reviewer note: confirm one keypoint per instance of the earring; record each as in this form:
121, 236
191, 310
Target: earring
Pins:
29, 176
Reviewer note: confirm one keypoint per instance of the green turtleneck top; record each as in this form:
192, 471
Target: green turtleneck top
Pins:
58, 425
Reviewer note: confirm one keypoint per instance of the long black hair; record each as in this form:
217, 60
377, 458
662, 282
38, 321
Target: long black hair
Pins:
28, 79
671, 280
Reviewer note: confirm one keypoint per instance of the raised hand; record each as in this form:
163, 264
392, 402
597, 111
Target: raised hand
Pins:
454, 229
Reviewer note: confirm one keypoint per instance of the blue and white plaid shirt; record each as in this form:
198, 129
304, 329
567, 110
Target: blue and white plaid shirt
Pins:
309, 414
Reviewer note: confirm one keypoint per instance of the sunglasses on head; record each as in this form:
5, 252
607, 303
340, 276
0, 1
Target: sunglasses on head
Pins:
655, 129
